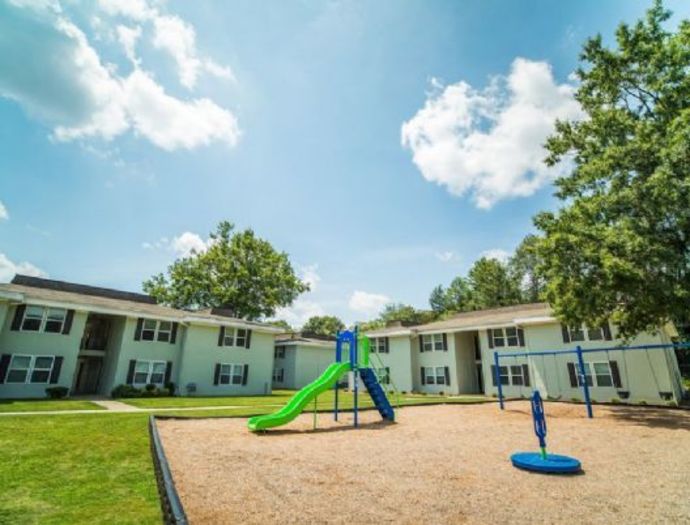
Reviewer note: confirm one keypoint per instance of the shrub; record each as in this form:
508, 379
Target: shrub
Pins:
125, 391
642, 402
57, 392
672, 404
615, 401
441, 393
575, 399
170, 387
150, 387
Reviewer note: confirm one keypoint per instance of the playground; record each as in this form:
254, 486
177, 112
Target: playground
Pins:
436, 464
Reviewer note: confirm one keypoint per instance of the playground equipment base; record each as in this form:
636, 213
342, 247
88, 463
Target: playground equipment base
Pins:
552, 464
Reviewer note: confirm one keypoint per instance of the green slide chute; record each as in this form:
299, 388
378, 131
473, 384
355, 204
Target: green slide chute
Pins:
299, 401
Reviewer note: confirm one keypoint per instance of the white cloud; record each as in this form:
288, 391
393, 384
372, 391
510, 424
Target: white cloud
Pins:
489, 143
8, 269
4, 214
496, 253
178, 38
138, 10
59, 78
300, 312
445, 256
309, 275
367, 303
181, 245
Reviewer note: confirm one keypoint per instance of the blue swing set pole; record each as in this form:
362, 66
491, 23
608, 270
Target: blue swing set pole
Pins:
354, 367
583, 380
497, 375
338, 358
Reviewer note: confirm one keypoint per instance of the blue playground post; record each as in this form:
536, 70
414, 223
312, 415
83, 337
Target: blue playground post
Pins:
497, 374
583, 379
354, 366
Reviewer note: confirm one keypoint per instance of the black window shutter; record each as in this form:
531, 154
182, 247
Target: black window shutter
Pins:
489, 336
445, 342
137, 332
572, 375
216, 374
221, 336
607, 331
493, 375
421, 344
173, 335
168, 372
447, 372
423, 376
4, 365
68, 322
245, 374
248, 339
130, 371
388, 374
565, 333
615, 374
521, 337
18, 316
525, 373
55, 373
385, 344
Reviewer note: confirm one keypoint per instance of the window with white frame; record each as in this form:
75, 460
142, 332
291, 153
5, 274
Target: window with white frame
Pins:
440, 375
503, 374
602, 376
149, 372
235, 337
432, 342
516, 375
42, 319
153, 330
241, 337
429, 375
278, 375
378, 345
508, 336
30, 369
230, 374
583, 333
279, 352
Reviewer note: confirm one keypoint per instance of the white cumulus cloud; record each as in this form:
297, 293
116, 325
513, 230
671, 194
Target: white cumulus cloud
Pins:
498, 254
4, 214
367, 303
445, 256
488, 143
181, 245
8, 269
309, 275
299, 312
49, 67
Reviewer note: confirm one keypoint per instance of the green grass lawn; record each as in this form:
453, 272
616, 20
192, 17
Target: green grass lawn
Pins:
31, 405
97, 468
74, 469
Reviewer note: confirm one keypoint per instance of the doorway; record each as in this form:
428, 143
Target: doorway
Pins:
88, 375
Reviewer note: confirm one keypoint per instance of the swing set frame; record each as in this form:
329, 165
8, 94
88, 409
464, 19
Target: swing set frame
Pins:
579, 355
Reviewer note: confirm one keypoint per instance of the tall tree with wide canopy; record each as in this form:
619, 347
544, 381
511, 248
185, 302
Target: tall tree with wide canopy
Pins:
491, 285
620, 246
323, 325
238, 271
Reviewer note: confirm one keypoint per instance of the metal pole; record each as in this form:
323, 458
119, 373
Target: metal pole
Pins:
355, 368
583, 379
337, 358
497, 375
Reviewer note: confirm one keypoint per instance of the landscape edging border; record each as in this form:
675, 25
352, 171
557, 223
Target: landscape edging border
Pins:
171, 505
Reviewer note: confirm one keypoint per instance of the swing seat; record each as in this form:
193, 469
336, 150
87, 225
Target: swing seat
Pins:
553, 464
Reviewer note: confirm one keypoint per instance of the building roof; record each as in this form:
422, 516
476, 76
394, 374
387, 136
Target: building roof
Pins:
521, 314
306, 339
34, 290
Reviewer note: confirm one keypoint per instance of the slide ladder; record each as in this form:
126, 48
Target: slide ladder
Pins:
377, 393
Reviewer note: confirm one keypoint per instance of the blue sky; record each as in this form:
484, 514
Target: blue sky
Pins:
385, 145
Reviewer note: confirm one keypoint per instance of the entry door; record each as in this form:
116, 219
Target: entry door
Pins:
88, 375
480, 379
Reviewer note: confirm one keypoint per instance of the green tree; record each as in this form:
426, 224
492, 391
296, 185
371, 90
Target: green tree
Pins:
523, 267
282, 323
406, 314
620, 246
437, 300
238, 271
323, 325
491, 285
459, 295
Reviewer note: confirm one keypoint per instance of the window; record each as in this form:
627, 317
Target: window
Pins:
229, 337
503, 374
241, 339
383, 375
38, 318
279, 352
595, 334
149, 372
582, 333
440, 375
231, 374
602, 374
278, 375
432, 342
429, 375
153, 330
509, 336
378, 345
516, 375
30, 369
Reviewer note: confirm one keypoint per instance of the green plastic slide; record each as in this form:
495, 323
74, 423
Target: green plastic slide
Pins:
299, 401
